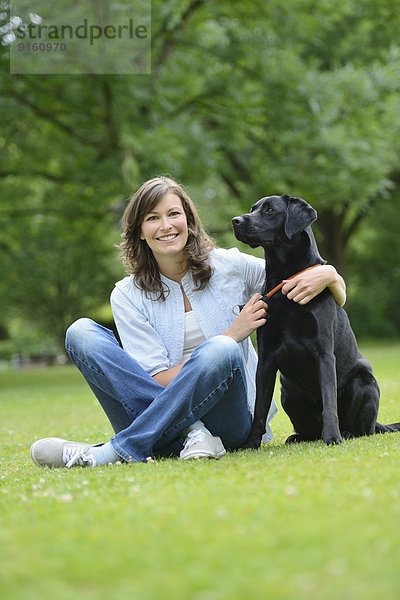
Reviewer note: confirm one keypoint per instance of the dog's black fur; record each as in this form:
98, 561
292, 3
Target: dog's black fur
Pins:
328, 388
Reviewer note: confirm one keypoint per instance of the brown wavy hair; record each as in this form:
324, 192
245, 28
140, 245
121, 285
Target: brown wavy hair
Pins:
136, 254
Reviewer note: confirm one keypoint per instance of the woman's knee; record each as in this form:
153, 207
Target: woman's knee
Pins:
224, 344
220, 349
80, 333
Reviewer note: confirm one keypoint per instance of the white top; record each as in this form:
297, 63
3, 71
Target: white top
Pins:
153, 331
193, 335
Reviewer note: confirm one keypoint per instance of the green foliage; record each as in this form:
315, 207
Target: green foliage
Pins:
374, 275
58, 267
243, 101
299, 521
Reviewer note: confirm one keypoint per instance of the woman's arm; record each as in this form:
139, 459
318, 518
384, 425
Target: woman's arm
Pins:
138, 337
305, 286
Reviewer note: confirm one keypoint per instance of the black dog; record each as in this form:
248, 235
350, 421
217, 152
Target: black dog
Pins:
328, 388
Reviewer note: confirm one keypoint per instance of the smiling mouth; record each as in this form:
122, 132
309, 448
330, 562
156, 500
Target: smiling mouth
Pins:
168, 238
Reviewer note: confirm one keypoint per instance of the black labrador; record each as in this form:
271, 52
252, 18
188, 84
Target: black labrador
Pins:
328, 388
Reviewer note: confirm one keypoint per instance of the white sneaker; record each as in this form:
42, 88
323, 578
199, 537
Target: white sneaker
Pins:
55, 452
200, 444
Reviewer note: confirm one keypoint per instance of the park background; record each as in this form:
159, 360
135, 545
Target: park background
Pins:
244, 100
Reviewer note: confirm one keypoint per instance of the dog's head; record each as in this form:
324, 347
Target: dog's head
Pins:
272, 220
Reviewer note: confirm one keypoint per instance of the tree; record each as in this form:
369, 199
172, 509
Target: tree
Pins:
293, 103
243, 101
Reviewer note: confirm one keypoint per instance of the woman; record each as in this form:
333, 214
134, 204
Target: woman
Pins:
183, 383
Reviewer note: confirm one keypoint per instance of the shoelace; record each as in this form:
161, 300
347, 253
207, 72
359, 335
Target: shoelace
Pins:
77, 455
194, 436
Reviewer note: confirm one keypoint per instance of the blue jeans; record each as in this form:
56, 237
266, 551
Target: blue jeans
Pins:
147, 417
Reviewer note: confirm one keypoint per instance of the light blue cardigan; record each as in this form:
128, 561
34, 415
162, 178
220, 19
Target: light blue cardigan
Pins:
153, 332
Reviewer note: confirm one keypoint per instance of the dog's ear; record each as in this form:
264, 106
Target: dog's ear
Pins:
299, 215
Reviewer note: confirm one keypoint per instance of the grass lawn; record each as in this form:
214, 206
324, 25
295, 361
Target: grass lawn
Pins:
286, 522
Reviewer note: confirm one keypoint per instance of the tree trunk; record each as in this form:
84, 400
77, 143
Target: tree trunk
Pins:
332, 239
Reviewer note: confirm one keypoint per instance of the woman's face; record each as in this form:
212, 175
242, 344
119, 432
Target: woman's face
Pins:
165, 228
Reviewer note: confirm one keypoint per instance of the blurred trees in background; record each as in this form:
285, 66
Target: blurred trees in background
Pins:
244, 100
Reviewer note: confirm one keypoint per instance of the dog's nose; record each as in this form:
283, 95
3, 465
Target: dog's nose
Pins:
236, 220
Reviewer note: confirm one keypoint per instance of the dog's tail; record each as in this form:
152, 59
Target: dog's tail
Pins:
387, 428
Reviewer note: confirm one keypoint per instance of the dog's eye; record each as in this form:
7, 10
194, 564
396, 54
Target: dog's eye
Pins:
270, 211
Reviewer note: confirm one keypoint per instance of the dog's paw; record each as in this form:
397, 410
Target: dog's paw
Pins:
293, 439
333, 440
252, 443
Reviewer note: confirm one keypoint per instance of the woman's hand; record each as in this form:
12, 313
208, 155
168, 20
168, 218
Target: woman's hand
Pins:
305, 286
252, 316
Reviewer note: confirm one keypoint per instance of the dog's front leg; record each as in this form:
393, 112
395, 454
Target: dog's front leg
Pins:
265, 382
328, 382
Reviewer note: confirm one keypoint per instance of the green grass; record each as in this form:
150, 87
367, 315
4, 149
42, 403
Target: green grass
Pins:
286, 522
